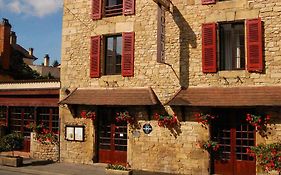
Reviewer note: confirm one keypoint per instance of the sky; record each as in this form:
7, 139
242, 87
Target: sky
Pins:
38, 25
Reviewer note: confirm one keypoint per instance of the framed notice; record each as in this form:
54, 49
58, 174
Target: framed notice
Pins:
79, 133
74, 133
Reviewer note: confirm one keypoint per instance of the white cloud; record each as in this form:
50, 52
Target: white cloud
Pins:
37, 8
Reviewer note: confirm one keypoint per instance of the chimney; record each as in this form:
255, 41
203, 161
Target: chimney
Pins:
46, 60
5, 47
30, 51
13, 38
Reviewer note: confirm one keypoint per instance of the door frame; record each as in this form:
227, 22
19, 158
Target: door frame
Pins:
234, 117
97, 131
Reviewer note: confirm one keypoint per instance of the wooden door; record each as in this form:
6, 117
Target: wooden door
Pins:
235, 135
112, 139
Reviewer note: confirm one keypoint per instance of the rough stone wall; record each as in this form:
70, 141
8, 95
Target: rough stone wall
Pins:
183, 68
77, 152
43, 151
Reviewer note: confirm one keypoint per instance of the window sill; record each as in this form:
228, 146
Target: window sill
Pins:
233, 73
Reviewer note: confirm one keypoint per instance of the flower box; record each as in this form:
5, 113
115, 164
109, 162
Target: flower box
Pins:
118, 172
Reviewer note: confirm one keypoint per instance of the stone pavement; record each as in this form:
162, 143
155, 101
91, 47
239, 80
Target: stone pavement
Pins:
58, 169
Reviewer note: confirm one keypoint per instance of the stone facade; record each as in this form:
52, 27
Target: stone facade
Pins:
163, 150
43, 151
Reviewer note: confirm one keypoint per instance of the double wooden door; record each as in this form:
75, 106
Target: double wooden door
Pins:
112, 138
234, 135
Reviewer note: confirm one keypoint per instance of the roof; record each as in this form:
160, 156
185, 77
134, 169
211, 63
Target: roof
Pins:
225, 97
112, 96
24, 52
30, 97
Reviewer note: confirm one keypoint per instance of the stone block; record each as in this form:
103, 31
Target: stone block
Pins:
11, 161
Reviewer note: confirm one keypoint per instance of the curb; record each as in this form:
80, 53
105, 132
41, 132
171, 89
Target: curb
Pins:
28, 171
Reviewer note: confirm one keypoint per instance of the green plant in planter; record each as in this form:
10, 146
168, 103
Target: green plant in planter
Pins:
117, 167
11, 142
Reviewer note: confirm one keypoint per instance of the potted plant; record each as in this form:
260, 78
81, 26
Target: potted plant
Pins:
11, 142
117, 170
259, 122
204, 119
166, 121
212, 147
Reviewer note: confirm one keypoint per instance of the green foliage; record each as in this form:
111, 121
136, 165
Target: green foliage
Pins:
55, 63
21, 71
117, 167
268, 156
11, 142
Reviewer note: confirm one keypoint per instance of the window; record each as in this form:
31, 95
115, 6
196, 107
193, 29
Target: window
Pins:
106, 8
3, 115
113, 7
230, 39
232, 46
205, 2
118, 55
113, 55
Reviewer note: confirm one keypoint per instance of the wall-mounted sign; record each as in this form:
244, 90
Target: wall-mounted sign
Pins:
74, 133
147, 128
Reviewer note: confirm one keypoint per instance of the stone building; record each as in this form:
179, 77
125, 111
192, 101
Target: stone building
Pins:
148, 58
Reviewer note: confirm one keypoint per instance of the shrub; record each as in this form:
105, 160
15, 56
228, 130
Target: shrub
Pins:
11, 142
117, 167
268, 156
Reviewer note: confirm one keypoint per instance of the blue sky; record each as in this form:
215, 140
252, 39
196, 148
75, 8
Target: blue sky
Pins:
37, 23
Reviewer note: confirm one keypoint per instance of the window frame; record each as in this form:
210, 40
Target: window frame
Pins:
115, 10
105, 53
221, 62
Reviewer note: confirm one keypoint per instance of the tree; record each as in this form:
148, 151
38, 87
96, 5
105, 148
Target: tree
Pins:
56, 63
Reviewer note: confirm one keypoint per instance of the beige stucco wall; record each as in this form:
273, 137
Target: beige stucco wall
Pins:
183, 68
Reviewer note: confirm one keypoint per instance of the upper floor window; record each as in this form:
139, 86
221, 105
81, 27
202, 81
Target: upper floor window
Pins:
106, 8
113, 55
232, 46
118, 54
230, 40
211, 1
113, 7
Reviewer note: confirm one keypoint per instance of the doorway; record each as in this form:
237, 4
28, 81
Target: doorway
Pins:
234, 135
112, 138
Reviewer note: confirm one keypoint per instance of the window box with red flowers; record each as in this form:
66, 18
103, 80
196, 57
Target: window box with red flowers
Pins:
259, 122
42, 134
204, 119
166, 121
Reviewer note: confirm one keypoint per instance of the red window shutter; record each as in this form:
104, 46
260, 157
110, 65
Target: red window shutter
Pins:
204, 2
128, 7
128, 44
96, 9
254, 45
209, 48
95, 57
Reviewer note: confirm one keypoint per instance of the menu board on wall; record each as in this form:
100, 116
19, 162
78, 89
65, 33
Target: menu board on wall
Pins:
74, 133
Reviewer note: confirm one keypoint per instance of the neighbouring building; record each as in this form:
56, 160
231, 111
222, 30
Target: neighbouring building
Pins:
152, 57
45, 69
16, 62
28, 101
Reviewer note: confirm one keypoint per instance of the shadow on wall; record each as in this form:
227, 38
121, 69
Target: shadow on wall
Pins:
187, 37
